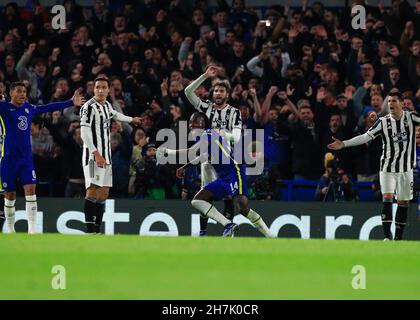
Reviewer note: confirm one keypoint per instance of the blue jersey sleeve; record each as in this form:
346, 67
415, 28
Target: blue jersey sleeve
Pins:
51, 107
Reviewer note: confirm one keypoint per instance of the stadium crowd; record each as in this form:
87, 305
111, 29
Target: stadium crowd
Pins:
302, 74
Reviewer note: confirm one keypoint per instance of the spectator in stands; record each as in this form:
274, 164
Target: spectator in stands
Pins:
305, 140
36, 75
43, 149
121, 147
310, 58
334, 185
71, 144
367, 157
140, 141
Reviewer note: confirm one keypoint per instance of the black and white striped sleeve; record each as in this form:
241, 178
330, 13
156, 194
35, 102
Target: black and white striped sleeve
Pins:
114, 114
86, 119
236, 127
416, 117
376, 129
193, 98
369, 135
86, 115
237, 121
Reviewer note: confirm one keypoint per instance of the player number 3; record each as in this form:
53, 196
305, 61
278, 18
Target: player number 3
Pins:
23, 124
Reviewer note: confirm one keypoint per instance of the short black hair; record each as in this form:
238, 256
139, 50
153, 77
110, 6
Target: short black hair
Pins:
102, 79
16, 84
200, 116
397, 94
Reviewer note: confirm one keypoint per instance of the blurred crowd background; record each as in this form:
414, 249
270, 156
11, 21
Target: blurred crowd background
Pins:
302, 74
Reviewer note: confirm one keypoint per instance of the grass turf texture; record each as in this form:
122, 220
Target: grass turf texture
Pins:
133, 267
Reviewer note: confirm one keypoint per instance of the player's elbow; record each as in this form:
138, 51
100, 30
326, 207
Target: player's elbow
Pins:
188, 90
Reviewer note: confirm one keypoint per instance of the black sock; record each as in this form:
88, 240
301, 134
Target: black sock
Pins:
229, 211
203, 223
2, 218
400, 221
100, 209
387, 219
90, 215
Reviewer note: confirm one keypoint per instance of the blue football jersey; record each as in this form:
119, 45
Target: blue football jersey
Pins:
16, 124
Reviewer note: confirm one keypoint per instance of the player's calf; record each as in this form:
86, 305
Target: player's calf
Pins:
387, 216
228, 212
209, 211
31, 209
401, 219
100, 209
90, 214
253, 216
258, 222
9, 213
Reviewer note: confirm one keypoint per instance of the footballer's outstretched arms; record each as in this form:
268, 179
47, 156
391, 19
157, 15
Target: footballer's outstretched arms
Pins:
353, 142
190, 89
123, 118
77, 100
369, 135
163, 152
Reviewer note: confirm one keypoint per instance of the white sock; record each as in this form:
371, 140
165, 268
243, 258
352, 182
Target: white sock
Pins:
208, 210
259, 223
9, 213
31, 211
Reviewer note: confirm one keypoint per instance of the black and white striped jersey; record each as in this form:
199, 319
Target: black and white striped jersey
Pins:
398, 140
98, 118
227, 118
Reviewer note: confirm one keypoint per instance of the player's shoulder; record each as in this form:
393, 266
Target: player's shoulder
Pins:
413, 113
206, 132
109, 105
27, 107
232, 107
87, 107
88, 104
6, 104
206, 103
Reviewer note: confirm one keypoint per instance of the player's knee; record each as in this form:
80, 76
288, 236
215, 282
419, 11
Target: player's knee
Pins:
10, 196
91, 193
243, 208
102, 194
201, 205
404, 203
244, 211
30, 190
195, 203
388, 197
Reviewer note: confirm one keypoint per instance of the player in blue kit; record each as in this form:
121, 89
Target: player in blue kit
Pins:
231, 178
2, 218
17, 163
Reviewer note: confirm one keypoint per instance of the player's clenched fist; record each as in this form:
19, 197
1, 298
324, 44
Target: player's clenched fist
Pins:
212, 72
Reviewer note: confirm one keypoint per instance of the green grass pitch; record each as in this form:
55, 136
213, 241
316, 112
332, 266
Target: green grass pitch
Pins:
134, 267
